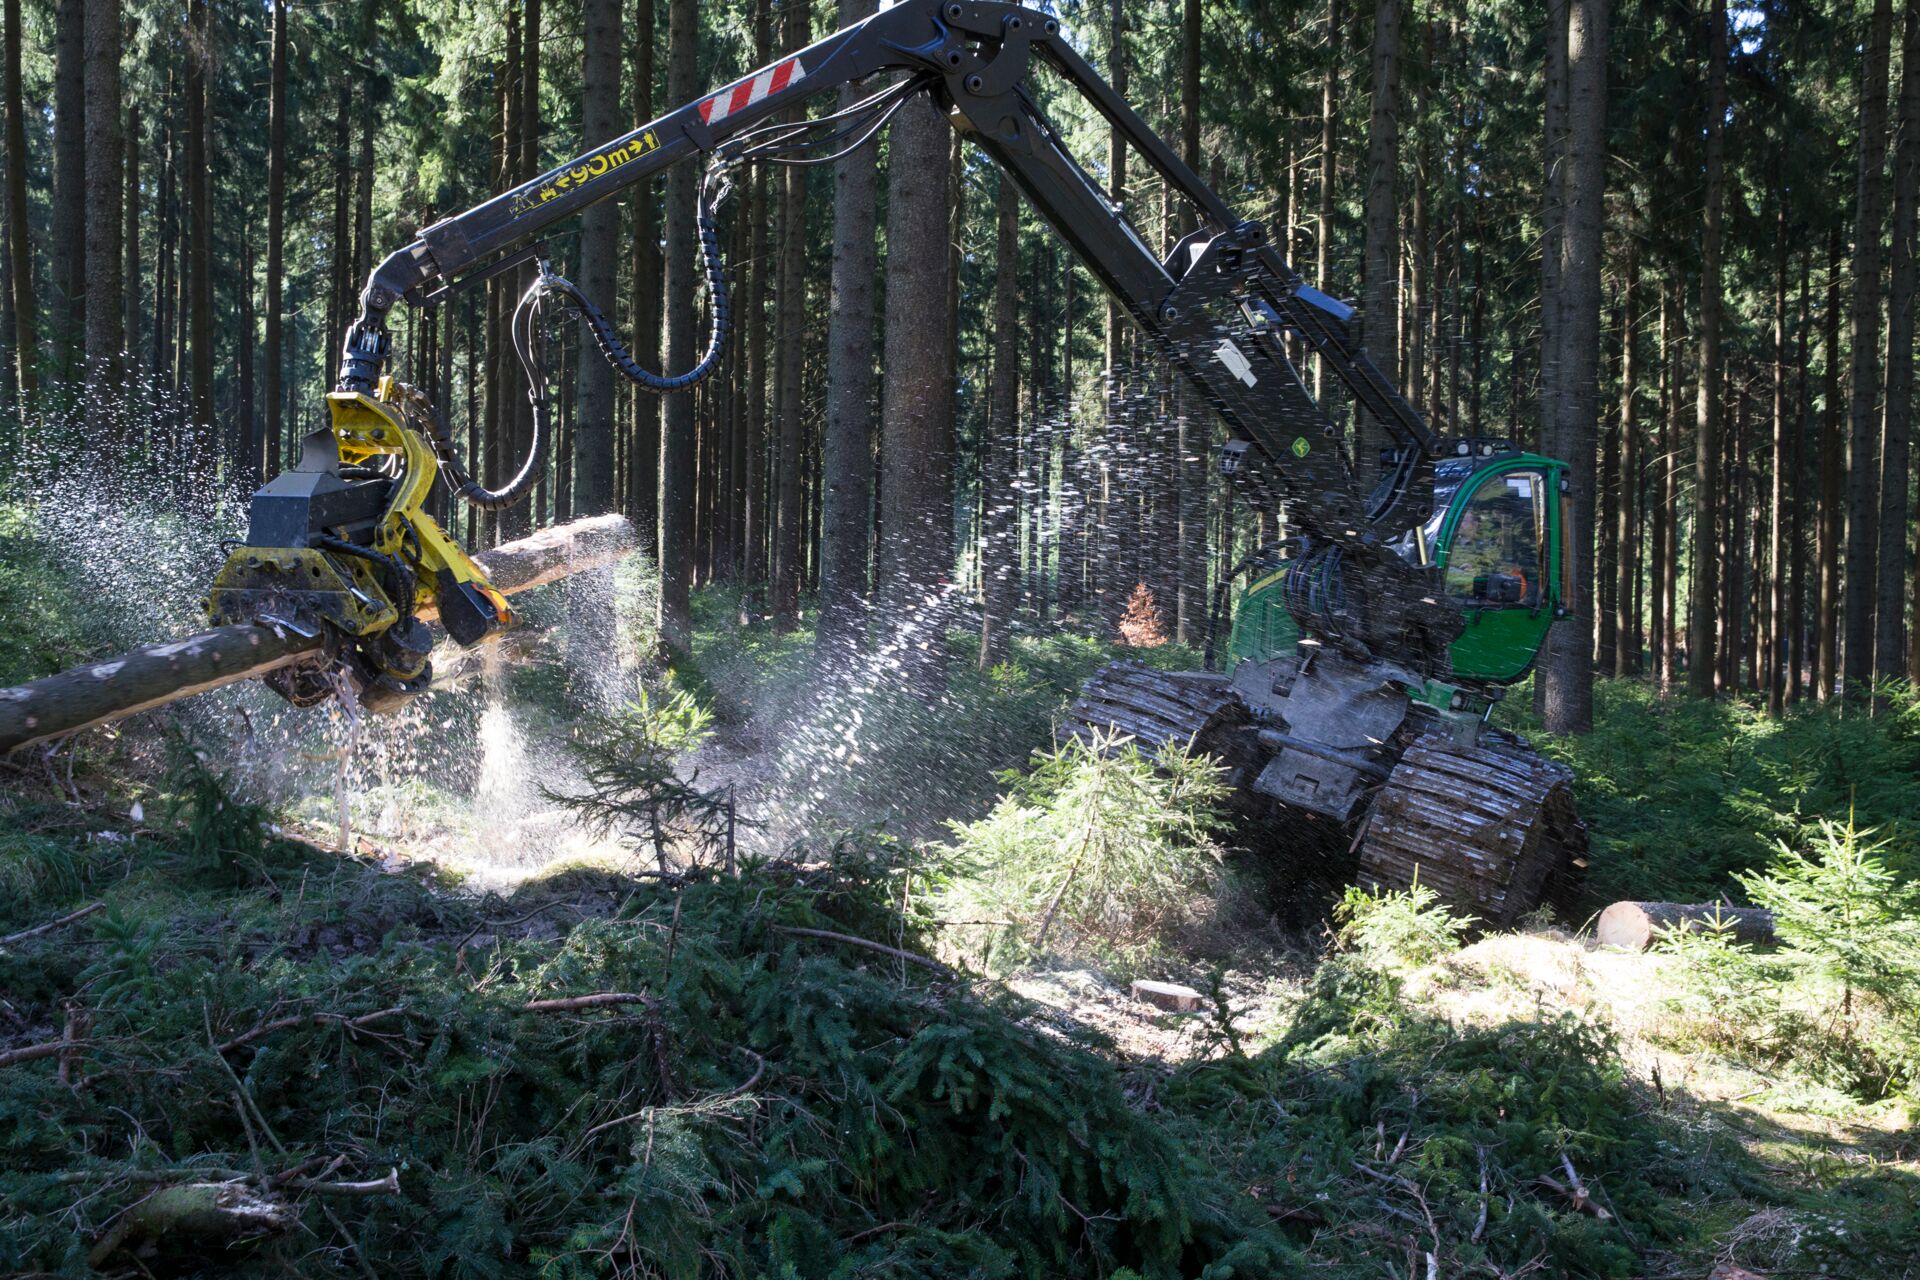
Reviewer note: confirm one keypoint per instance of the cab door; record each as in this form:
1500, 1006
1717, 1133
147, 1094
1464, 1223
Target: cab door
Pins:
1503, 544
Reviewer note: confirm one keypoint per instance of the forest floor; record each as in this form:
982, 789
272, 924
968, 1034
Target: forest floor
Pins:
787, 1080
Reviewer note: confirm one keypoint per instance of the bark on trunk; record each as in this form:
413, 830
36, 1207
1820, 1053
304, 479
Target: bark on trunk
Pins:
276, 230
1890, 640
1832, 478
1770, 663
1329, 136
1000, 532
1863, 391
26, 351
674, 621
643, 446
199, 218
1702, 606
1626, 542
1380, 309
789, 543
106, 321
917, 424
67, 314
1569, 670
847, 469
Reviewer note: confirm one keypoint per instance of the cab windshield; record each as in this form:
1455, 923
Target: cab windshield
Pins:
1498, 552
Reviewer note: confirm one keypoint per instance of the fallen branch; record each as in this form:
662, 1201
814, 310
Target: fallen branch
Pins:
870, 945
35, 1052
51, 925
600, 1000
318, 1019
211, 1175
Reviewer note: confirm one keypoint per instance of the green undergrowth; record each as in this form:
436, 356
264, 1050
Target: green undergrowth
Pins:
764, 1103
1682, 795
767, 1102
40, 635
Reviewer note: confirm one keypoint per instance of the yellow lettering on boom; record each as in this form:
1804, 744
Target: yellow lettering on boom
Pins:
575, 176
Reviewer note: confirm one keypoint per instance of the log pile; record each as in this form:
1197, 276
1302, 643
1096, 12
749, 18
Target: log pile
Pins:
158, 674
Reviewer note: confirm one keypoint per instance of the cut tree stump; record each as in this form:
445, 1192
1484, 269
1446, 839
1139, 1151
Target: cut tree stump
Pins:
1634, 925
98, 692
1167, 995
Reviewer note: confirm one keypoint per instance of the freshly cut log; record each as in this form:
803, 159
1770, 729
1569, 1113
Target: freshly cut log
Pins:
98, 692
1634, 925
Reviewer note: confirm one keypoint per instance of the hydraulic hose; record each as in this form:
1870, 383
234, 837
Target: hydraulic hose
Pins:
616, 352
529, 343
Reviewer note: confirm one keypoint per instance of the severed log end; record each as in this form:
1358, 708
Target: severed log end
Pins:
158, 674
559, 552
1633, 926
209, 1212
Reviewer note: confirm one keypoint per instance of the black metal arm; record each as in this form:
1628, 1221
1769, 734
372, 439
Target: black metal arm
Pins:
1217, 307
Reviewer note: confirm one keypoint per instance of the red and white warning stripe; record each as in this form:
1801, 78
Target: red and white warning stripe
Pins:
743, 94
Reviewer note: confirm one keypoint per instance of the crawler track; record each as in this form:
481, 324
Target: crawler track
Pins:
1492, 828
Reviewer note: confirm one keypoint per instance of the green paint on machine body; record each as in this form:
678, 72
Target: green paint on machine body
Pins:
1497, 542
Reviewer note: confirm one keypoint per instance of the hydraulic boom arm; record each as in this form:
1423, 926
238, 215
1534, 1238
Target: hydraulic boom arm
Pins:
1218, 307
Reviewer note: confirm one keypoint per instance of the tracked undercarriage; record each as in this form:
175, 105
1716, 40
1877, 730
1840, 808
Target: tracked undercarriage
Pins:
1361, 781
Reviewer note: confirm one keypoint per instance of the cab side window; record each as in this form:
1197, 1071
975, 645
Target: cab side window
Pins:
1498, 553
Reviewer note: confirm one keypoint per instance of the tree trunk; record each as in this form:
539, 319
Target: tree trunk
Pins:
249, 454
643, 447
1798, 498
589, 461
1770, 672
26, 348
523, 158
1380, 306
1657, 495
1193, 424
340, 246
1569, 663
1701, 609
1863, 391
1890, 641
594, 492
1000, 530
1670, 428
200, 215
673, 618
67, 313
105, 302
130, 245
1329, 136
789, 547
1109, 589
847, 469
274, 369
1832, 477
1626, 542
917, 423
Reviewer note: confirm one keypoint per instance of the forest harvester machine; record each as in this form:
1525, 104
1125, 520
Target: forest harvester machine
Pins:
1366, 656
